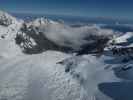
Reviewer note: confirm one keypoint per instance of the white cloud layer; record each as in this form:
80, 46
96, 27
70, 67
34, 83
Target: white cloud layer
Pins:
64, 35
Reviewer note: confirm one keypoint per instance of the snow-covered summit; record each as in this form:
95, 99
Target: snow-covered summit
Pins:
42, 21
124, 38
122, 41
6, 19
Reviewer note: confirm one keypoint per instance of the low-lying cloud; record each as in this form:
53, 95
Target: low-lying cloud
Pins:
64, 35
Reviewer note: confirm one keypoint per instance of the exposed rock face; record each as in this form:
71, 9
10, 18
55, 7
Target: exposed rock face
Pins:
33, 41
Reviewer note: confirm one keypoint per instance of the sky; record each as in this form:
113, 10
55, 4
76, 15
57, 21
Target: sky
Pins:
89, 8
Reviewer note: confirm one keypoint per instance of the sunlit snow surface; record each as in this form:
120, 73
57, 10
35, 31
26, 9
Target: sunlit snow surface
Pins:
36, 77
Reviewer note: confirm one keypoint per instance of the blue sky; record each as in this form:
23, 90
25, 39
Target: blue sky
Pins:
90, 8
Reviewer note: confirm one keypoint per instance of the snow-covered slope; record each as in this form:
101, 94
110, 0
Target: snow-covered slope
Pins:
121, 44
37, 77
124, 38
6, 19
104, 78
9, 27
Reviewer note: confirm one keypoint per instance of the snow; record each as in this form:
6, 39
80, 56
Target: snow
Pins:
54, 75
90, 71
37, 77
6, 19
32, 77
124, 38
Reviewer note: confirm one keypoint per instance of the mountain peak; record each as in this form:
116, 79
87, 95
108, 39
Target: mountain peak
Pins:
6, 19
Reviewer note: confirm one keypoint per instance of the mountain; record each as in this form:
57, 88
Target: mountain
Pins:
124, 38
63, 35
47, 59
6, 19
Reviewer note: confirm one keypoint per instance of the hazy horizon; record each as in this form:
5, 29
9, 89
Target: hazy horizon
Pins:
87, 8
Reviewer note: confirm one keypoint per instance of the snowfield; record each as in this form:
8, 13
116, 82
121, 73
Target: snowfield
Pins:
53, 74
37, 77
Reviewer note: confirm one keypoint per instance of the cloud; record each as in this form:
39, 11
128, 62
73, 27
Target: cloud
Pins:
64, 35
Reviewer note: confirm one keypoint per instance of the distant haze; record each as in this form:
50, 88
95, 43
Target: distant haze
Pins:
74, 20
90, 8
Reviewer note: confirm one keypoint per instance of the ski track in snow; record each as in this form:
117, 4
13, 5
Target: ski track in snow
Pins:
36, 77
